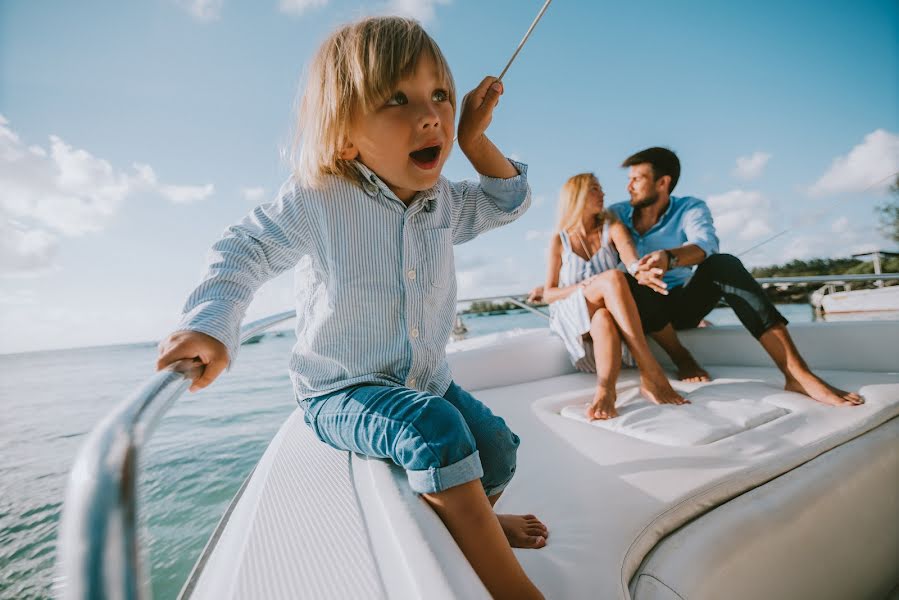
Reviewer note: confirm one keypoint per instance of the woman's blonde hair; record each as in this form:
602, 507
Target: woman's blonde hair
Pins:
573, 199
354, 71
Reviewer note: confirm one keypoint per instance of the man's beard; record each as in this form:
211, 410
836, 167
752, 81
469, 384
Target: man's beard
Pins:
644, 201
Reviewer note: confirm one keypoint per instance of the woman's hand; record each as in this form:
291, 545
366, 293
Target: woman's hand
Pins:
536, 295
198, 346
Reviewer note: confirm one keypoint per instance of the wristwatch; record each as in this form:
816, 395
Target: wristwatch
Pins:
672, 259
632, 268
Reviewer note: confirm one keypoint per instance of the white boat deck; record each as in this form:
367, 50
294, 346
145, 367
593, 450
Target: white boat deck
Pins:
808, 494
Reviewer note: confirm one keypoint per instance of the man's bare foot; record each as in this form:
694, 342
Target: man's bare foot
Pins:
603, 406
524, 531
817, 389
688, 369
661, 393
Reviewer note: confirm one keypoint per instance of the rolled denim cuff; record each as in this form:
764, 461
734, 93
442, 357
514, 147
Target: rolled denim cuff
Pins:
497, 489
438, 479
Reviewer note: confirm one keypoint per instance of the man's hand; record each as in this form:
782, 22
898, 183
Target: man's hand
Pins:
652, 278
198, 346
654, 260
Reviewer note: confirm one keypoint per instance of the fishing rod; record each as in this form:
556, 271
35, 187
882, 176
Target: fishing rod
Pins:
524, 39
520, 45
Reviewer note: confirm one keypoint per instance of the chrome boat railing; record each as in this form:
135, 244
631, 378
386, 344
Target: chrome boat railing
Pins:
99, 552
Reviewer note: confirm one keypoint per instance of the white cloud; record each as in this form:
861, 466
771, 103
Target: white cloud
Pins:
298, 7
741, 215
492, 277
203, 10
253, 194
65, 191
841, 225
185, 194
423, 10
536, 234
751, 167
24, 251
870, 164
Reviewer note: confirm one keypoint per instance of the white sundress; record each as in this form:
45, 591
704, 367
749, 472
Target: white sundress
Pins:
569, 317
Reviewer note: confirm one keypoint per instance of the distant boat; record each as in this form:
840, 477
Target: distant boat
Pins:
828, 300
459, 329
877, 299
253, 340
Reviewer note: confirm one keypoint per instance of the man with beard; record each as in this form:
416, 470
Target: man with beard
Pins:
675, 233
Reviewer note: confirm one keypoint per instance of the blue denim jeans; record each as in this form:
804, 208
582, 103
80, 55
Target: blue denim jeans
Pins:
441, 442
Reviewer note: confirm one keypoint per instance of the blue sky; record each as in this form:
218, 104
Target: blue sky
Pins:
133, 133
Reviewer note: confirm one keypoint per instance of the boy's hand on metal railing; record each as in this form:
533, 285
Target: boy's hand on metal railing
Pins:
202, 348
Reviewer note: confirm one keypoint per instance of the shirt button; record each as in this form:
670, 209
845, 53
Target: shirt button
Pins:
410, 382
370, 188
411, 274
414, 332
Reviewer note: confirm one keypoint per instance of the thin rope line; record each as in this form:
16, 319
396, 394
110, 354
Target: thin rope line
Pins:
777, 235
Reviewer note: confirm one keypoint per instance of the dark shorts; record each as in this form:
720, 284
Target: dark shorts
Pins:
720, 276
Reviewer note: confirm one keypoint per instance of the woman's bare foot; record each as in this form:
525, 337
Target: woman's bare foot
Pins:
688, 369
817, 389
603, 406
524, 531
661, 392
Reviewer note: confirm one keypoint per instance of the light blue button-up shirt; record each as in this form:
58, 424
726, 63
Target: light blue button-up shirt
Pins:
375, 279
687, 221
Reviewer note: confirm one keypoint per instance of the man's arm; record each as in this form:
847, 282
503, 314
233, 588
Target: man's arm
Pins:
702, 242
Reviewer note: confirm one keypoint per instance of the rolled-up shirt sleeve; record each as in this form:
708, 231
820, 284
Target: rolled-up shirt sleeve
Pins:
699, 228
489, 204
267, 242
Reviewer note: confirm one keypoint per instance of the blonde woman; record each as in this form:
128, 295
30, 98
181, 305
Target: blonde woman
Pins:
591, 300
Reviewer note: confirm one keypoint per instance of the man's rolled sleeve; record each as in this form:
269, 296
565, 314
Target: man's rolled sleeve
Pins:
699, 228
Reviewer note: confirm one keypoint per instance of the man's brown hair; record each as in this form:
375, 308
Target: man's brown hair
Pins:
662, 160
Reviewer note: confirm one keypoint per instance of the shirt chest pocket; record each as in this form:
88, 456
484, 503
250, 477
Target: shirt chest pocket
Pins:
438, 257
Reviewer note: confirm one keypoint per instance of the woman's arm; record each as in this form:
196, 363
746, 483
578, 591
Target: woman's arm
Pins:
551, 291
624, 243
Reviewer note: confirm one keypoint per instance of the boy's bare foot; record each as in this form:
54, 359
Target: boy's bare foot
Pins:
524, 531
603, 406
815, 388
661, 393
688, 369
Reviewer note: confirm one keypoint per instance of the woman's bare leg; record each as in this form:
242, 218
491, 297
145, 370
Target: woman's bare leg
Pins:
610, 290
607, 353
470, 519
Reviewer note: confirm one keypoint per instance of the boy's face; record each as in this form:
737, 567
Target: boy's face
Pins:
408, 139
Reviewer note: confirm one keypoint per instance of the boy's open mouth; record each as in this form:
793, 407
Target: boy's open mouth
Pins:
426, 158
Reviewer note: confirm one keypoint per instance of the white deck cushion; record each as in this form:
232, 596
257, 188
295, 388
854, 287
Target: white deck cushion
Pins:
715, 412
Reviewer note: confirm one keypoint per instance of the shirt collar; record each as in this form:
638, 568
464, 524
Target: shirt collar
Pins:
372, 184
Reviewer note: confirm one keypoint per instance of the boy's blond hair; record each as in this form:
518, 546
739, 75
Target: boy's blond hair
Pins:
356, 70
573, 198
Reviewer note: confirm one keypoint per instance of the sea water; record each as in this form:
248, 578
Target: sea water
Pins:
197, 459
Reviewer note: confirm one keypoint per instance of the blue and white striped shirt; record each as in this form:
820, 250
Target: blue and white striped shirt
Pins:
375, 279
